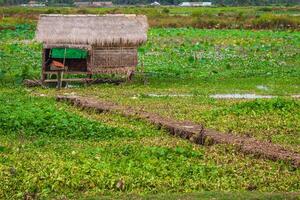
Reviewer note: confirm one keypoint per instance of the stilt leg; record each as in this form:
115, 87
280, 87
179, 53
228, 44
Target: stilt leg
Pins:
59, 79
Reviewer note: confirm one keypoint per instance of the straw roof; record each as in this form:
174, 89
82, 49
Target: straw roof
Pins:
92, 30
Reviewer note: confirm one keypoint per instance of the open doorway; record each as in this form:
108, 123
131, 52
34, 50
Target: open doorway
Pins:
70, 59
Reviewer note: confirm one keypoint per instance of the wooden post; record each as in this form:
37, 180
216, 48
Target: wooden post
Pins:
59, 79
65, 56
43, 75
60, 72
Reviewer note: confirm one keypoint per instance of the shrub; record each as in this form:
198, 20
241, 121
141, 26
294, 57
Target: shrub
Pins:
53, 11
82, 11
276, 21
205, 23
265, 9
166, 11
240, 16
115, 11
221, 14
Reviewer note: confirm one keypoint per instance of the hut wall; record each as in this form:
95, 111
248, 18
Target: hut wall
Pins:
114, 59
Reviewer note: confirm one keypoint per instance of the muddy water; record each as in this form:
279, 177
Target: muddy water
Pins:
170, 95
223, 96
241, 96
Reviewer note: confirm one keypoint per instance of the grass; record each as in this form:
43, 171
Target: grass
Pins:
274, 120
81, 156
198, 63
183, 54
52, 150
277, 17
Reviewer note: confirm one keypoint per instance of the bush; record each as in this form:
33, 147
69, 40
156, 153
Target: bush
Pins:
53, 11
205, 23
276, 21
240, 16
115, 11
82, 11
166, 11
265, 9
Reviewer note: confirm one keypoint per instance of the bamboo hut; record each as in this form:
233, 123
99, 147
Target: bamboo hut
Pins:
90, 44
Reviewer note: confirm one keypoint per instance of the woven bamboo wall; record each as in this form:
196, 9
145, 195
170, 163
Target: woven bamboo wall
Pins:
114, 59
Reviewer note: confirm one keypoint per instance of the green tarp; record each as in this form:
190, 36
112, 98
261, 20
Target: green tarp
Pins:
70, 53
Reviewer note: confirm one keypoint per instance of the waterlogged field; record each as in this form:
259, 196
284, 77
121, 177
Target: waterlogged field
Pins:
50, 149
211, 54
184, 66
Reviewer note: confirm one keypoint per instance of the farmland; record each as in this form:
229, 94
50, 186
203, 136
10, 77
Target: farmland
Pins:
268, 17
50, 149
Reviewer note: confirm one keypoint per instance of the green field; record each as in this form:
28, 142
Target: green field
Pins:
263, 17
53, 150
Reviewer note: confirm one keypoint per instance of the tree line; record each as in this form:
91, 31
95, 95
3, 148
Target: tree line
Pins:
166, 2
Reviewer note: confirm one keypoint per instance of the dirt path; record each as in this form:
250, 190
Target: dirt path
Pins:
194, 132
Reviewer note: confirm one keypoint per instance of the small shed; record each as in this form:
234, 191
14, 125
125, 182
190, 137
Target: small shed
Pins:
195, 4
93, 3
90, 44
102, 4
155, 3
33, 4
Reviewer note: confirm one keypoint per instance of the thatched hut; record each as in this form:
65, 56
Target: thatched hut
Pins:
90, 44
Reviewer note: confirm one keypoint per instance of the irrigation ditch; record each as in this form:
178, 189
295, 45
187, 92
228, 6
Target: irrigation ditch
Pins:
195, 133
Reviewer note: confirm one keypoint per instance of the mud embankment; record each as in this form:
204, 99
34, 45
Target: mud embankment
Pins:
194, 132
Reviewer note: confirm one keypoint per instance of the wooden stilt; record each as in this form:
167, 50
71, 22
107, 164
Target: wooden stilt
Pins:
59, 79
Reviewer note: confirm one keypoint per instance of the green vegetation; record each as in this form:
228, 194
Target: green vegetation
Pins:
41, 118
180, 54
211, 54
164, 2
212, 18
52, 150
198, 63
15, 46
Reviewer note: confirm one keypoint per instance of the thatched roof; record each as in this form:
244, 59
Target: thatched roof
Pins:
92, 30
